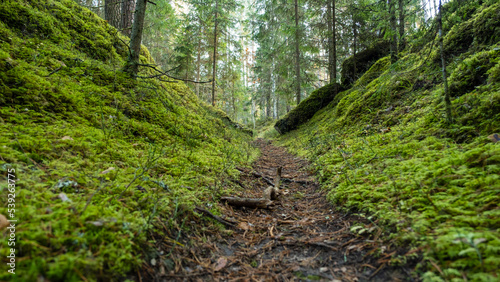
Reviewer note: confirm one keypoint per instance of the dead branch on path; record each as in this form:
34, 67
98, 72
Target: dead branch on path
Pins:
269, 195
261, 203
218, 218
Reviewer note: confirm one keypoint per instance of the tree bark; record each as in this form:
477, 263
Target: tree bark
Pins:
297, 53
402, 42
355, 47
447, 99
214, 71
330, 24
112, 12
127, 19
132, 66
394, 35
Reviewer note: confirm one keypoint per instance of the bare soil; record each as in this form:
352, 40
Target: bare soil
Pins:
303, 238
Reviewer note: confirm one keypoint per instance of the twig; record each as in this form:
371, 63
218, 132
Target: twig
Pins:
376, 271
161, 73
218, 218
269, 181
91, 196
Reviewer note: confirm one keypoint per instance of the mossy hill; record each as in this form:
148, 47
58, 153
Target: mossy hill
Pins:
384, 150
102, 162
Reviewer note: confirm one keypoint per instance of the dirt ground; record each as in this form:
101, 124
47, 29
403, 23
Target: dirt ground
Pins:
302, 238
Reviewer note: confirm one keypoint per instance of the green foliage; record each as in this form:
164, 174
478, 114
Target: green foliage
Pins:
383, 148
101, 161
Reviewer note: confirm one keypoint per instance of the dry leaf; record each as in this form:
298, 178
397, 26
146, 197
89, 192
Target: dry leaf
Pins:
221, 263
108, 170
3, 222
244, 226
96, 223
63, 197
66, 138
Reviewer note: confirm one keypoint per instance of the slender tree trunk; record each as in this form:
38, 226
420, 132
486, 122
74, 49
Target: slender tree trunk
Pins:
402, 42
214, 71
128, 7
235, 110
355, 47
329, 38
332, 54
394, 35
112, 12
297, 53
136, 37
447, 99
198, 67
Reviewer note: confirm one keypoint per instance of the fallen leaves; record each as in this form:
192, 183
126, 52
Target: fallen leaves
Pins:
221, 263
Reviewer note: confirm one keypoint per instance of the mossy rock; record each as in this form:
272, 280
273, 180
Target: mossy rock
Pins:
307, 108
355, 66
483, 29
473, 72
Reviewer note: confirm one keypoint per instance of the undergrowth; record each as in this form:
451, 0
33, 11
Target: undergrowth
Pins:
383, 148
101, 161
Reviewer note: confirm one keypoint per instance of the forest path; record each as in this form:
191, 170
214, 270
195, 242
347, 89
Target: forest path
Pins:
302, 239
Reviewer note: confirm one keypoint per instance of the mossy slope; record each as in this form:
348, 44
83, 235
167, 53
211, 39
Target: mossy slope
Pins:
383, 148
101, 161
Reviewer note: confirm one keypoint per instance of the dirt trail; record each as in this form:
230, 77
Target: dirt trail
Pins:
303, 238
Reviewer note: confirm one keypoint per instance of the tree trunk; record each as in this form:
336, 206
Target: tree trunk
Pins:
132, 66
447, 99
355, 47
332, 41
297, 53
128, 7
402, 42
394, 35
214, 71
112, 12
198, 68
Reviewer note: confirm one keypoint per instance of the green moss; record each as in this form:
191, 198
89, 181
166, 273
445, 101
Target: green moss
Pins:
123, 151
383, 148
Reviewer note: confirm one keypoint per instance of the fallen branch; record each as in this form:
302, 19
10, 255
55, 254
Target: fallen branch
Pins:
269, 181
288, 180
266, 202
218, 218
248, 202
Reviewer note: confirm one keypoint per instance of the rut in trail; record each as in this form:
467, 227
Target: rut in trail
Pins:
303, 238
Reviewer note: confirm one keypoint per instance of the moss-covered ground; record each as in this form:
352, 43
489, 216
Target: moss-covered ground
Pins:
383, 149
101, 162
